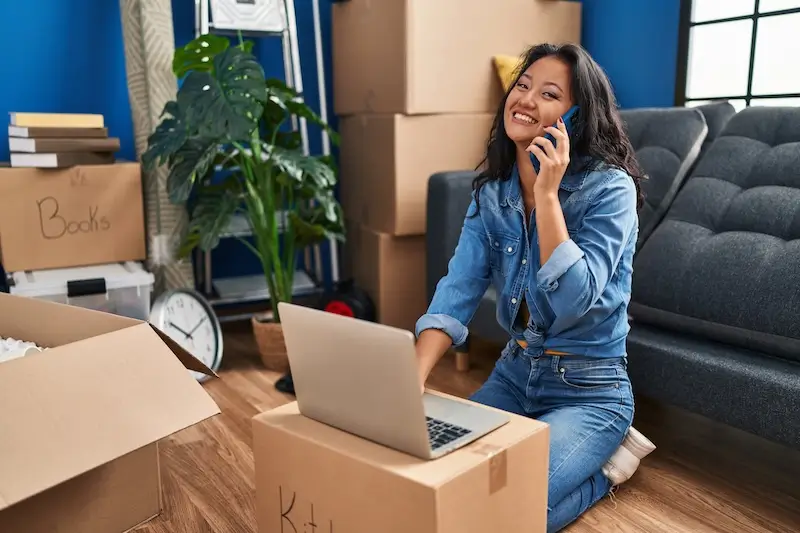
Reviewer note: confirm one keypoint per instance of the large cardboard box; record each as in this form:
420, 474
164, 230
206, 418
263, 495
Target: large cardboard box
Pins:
392, 272
386, 161
80, 422
77, 216
423, 56
312, 477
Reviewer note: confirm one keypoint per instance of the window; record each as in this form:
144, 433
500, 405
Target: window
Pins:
743, 51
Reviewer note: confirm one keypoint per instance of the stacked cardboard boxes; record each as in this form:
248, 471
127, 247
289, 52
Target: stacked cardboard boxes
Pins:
416, 93
72, 216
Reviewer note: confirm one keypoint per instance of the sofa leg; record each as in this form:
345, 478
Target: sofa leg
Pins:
462, 361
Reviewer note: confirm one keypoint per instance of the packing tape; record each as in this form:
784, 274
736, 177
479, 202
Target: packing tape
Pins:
498, 465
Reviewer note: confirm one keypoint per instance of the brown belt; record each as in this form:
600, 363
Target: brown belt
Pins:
524, 344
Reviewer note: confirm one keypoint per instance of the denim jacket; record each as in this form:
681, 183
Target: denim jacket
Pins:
578, 300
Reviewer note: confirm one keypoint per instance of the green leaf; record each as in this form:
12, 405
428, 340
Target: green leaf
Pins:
168, 137
215, 206
227, 103
192, 161
247, 46
302, 110
290, 140
310, 226
198, 55
299, 166
279, 86
327, 202
284, 100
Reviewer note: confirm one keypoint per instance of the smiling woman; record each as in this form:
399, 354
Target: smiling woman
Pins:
556, 240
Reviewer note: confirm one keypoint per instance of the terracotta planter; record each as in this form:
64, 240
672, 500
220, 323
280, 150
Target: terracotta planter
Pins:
271, 346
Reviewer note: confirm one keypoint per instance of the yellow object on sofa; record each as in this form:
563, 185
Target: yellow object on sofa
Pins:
506, 67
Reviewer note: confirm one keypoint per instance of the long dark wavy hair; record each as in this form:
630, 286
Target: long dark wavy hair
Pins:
598, 135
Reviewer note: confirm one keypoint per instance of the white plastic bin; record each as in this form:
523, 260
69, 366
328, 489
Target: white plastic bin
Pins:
118, 288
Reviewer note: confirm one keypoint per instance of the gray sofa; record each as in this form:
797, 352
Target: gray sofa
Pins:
715, 310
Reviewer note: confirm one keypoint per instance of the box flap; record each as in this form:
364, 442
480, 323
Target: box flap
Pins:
188, 360
68, 410
67, 323
20, 315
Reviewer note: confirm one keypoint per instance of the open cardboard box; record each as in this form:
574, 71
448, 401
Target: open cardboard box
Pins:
80, 422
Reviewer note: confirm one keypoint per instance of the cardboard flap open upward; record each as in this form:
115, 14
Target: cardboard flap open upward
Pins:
50, 324
188, 360
67, 323
73, 408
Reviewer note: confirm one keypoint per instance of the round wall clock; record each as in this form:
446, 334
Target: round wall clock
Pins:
188, 319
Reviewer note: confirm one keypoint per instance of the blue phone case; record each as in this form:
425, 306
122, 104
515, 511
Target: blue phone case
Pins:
567, 118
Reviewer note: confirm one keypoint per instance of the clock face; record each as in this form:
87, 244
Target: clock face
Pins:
189, 323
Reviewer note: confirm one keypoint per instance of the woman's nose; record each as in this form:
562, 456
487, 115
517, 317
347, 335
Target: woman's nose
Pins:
529, 100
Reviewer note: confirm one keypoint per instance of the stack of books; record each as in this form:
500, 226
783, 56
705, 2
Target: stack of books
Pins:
58, 140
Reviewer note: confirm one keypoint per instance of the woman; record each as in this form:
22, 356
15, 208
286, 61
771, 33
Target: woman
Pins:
558, 247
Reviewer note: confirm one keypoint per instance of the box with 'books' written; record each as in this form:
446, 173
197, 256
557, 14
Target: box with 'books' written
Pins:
76, 216
313, 477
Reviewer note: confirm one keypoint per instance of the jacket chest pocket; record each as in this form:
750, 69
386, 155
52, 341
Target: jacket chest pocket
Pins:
504, 252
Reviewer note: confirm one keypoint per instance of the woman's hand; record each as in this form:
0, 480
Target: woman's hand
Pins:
553, 160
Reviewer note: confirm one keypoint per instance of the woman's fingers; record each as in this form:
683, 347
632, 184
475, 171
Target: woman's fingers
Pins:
547, 145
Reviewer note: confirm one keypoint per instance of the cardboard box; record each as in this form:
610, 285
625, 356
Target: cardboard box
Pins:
386, 161
81, 421
313, 477
391, 270
78, 216
420, 56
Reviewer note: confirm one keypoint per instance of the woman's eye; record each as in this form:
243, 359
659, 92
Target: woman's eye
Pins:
550, 96
522, 85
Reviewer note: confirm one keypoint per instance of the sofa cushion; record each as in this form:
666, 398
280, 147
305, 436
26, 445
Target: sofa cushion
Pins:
725, 261
742, 388
667, 142
449, 196
717, 115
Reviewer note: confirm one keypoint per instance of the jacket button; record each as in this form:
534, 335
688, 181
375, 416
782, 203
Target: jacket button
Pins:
524, 261
510, 249
513, 300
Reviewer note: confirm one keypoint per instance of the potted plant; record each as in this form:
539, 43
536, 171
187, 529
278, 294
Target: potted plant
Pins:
230, 150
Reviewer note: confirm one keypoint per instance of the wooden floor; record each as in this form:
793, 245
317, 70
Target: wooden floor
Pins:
703, 477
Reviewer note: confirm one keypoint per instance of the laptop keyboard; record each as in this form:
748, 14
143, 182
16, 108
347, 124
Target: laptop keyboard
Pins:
441, 433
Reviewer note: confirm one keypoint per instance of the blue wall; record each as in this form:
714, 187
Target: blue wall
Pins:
67, 56
636, 42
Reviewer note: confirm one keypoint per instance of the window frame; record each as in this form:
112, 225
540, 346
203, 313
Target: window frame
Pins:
684, 32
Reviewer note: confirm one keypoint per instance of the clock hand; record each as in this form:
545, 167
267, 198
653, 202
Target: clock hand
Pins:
198, 325
188, 335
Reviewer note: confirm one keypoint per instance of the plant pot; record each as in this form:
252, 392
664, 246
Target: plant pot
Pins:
271, 346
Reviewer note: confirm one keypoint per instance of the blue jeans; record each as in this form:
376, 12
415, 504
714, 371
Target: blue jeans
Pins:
588, 404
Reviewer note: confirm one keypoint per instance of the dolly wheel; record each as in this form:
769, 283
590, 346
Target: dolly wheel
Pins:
338, 307
349, 300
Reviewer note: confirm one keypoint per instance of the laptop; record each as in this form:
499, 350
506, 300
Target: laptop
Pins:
361, 377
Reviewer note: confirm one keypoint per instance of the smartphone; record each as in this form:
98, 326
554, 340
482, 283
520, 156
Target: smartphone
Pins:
568, 118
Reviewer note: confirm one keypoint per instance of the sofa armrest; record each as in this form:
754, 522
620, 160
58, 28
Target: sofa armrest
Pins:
449, 196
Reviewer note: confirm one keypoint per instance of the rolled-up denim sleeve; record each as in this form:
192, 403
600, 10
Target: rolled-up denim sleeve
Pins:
458, 293
579, 269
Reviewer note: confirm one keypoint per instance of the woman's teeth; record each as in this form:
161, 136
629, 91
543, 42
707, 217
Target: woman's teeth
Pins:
525, 118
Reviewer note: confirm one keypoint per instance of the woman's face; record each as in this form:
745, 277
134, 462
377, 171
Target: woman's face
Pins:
542, 94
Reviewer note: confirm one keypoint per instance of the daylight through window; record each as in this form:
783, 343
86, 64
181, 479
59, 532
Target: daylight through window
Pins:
743, 51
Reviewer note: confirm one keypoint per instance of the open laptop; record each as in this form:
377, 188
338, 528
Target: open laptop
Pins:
361, 377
